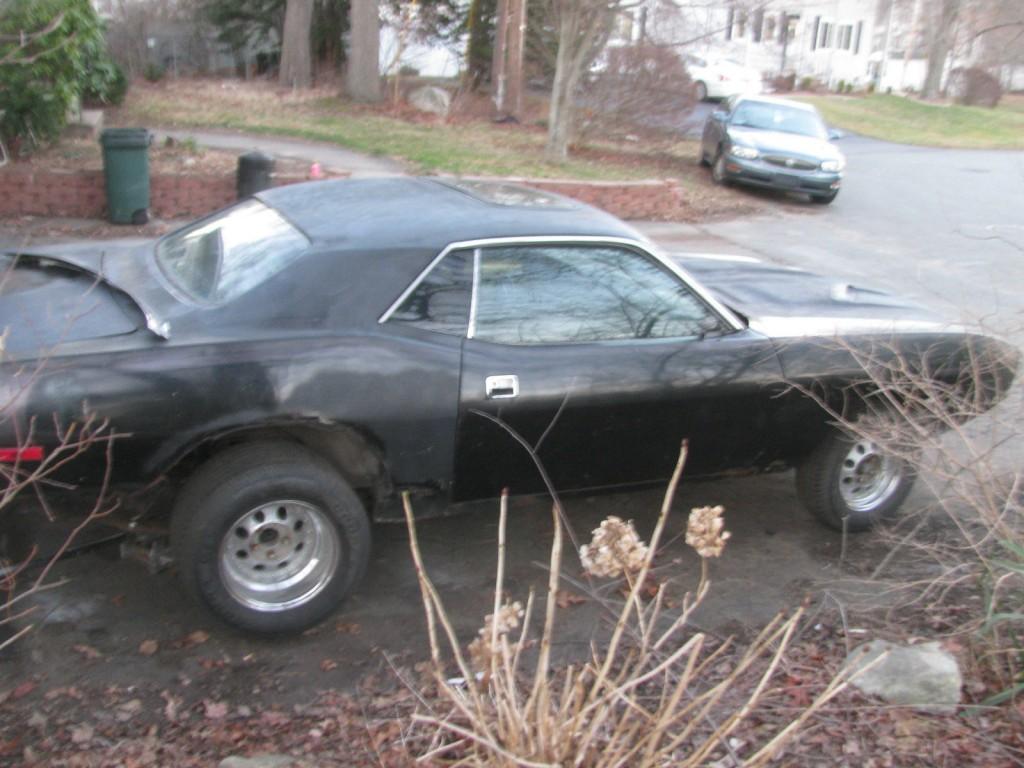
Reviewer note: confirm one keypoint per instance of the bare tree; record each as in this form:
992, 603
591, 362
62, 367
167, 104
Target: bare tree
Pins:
582, 29
296, 58
364, 51
941, 26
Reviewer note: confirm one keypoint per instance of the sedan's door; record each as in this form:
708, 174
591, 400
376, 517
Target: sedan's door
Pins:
604, 359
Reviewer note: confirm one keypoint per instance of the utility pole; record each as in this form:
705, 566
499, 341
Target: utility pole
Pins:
507, 65
516, 44
500, 51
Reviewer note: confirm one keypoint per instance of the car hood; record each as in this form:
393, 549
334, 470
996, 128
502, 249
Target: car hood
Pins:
128, 266
783, 302
784, 143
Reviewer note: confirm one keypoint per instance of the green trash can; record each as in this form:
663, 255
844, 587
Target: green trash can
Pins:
126, 171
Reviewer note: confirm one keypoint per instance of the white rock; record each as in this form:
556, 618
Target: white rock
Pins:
431, 98
921, 676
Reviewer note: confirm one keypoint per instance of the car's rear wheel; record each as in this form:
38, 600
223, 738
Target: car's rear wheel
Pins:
270, 537
700, 91
825, 199
718, 174
851, 479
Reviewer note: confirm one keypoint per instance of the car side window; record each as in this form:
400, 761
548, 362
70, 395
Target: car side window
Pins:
573, 294
441, 301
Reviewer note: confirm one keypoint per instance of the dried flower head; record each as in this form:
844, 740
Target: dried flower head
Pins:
614, 548
480, 650
704, 531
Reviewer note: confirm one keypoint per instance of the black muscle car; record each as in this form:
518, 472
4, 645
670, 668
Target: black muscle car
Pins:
291, 364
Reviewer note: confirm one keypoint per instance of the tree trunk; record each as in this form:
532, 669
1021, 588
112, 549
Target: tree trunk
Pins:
939, 46
560, 114
296, 61
364, 51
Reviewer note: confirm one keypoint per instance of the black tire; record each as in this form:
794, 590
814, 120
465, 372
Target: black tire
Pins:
287, 482
718, 174
824, 199
702, 158
827, 484
700, 91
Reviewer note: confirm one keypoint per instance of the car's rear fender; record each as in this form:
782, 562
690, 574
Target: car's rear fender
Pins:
357, 455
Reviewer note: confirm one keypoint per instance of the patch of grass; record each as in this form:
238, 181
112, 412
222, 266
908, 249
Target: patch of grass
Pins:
466, 148
907, 121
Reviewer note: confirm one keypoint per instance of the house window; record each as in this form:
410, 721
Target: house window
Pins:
825, 38
728, 23
814, 34
856, 37
758, 26
768, 33
741, 24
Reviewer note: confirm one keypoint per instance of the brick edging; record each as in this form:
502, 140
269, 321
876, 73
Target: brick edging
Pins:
81, 194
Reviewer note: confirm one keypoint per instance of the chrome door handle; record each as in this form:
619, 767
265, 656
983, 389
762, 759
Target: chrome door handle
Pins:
504, 386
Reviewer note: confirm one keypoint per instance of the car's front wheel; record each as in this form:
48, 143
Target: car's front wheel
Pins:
270, 537
718, 174
700, 91
851, 479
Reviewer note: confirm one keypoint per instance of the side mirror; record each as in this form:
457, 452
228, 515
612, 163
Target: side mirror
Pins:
719, 115
834, 134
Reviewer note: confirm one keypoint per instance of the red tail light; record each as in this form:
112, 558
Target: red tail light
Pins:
28, 453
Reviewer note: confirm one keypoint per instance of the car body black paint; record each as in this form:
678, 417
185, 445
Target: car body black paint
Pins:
307, 347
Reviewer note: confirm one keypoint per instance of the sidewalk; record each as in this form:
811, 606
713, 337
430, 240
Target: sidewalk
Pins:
330, 156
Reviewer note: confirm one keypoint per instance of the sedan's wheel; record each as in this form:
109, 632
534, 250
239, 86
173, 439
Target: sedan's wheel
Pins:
718, 169
853, 480
825, 199
270, 537
700, 91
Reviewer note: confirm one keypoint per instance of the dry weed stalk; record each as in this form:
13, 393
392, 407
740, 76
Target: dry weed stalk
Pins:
920, 407
644, 699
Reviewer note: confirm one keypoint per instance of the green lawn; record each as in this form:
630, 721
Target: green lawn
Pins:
467, 148
907, 121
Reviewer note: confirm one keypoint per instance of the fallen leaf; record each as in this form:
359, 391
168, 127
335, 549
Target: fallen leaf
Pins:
171, 707
128, 710
81, 734
87, 651
328, 664
149, 647
347, 628
193, 639
564, 598
215, 710
38, 720
22, 690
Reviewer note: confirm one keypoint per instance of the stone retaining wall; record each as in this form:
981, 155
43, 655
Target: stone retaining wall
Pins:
80, 194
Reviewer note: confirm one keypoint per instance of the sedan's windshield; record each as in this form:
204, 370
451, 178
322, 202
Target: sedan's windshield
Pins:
220, 258
765, 116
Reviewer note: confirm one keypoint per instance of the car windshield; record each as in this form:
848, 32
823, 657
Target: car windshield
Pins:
219, 259
778, 117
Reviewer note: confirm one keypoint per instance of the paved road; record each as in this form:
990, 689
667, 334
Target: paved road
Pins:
944, 226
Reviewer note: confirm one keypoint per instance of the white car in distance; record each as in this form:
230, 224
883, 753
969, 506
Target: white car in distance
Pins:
722, 78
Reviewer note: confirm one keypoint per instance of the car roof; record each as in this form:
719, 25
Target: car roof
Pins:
776, 100
431, 213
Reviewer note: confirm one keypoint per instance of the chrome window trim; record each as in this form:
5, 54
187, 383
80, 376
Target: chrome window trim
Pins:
475, 292
640, 246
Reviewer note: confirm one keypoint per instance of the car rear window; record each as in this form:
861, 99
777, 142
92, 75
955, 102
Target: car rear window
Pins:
220, 258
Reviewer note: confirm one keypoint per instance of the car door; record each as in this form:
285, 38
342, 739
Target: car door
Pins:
602, 359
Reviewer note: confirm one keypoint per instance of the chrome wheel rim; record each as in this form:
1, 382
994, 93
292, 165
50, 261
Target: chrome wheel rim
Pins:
279, 555
867, 477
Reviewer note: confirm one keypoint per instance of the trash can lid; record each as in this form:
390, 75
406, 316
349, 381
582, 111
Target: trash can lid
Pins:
125, 138
256, 159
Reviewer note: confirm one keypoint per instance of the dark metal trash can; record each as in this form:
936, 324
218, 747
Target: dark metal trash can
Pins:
126, 172
255, 170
